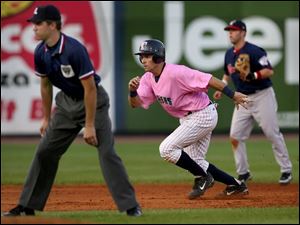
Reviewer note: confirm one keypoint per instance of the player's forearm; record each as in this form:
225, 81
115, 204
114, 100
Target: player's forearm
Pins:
221, 86
216, 84
134, 101
225, 79
133, 97
265, 73
46, 93
90, 102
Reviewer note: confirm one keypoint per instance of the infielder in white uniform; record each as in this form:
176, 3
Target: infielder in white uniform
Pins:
263, 105
182, 92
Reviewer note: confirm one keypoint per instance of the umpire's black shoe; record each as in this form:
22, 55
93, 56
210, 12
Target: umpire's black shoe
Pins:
20, 211
200, 185
135, 211
245, 177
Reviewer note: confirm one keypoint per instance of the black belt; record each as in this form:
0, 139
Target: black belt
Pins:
253, 91
190, 112
78, 98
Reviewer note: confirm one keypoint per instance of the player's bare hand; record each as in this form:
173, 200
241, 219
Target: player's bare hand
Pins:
43, 127
217, 95
89, 135
134, 83
240, 99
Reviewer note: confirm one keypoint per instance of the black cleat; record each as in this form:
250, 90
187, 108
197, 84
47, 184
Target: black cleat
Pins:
200, 186
245, 177
285, 178
20, 211
135, 211
236, 190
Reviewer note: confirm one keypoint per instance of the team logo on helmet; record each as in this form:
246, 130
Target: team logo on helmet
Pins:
144, 45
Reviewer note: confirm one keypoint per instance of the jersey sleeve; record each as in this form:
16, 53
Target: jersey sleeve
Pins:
39, 64
192, 80
145, 92
260, 60
81, 62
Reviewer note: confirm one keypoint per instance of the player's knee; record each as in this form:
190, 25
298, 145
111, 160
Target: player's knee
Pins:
272, 134
234, 143
165, 150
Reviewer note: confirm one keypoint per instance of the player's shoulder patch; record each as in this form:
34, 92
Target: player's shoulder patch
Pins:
264, 61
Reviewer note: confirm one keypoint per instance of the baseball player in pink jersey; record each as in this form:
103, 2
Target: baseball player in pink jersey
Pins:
182, 92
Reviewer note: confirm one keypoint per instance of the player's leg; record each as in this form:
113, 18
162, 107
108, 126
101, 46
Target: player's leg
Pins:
241, 126
111, 164
266, 117
198, 152
192, 128
203, 180
234, 186
177, 147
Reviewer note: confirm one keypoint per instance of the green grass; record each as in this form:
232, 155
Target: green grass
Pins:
189, 216
144, 165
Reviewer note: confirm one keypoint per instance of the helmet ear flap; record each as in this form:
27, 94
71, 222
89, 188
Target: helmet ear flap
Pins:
157, 59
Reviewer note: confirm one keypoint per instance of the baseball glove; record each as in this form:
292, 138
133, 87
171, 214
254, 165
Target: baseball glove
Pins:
242, 66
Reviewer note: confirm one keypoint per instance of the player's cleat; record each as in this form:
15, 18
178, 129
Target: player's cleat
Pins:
200, 185
245, 177
236, 190
285, 178
20, 211
136, 211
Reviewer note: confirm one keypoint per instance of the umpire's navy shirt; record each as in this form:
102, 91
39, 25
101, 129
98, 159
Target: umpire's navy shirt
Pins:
258, 61
65, 64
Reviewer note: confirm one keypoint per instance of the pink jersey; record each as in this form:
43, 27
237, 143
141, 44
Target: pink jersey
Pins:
178, 90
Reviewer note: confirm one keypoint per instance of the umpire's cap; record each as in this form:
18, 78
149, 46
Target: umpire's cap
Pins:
236, 25
153, 47
45, 13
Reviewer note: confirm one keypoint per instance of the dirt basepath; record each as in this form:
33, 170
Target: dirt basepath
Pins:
150, 196
153, 196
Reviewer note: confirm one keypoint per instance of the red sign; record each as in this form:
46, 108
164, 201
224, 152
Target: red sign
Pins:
78, 21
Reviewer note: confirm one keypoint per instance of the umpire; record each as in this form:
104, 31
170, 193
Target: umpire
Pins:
64, 62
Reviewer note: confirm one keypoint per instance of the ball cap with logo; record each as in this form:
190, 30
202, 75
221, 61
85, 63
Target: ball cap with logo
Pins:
236, 25
45, 13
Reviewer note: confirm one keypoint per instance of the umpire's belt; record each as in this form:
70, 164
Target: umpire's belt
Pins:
77, 98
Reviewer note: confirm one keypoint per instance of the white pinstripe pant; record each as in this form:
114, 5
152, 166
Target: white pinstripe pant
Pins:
192, 136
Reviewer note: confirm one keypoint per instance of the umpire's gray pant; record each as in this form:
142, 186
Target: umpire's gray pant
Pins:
67, 121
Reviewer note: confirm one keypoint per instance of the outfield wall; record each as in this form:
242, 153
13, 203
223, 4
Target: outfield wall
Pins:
193, 34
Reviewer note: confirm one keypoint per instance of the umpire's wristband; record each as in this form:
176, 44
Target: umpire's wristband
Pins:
133, 94
227, 91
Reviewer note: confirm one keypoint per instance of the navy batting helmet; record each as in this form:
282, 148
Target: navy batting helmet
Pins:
153, 47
